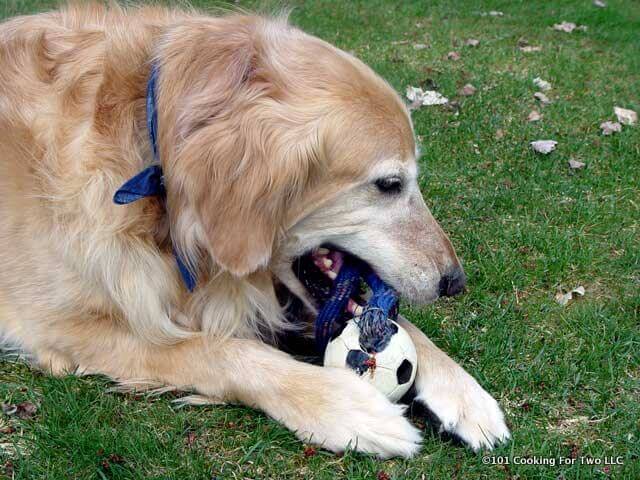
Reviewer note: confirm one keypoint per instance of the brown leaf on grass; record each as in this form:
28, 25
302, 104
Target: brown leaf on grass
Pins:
112, 459
609, 128
570, 425
574, 451
544, 146
625, 116
453, 56
524, 46
190, 439
26, 410
21, 410
467, 90
564, 298
542, 98
575, 164
534, 116
542, 84
526, 406
309, 452
499, 134
568, 27
382, 475
472, 42
419, 97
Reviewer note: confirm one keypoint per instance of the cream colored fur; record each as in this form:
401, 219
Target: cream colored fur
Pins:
271, 141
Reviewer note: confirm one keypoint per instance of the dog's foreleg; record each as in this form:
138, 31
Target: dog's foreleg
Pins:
463, 407
329, 407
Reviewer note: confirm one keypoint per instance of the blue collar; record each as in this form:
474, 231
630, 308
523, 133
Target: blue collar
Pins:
150, 181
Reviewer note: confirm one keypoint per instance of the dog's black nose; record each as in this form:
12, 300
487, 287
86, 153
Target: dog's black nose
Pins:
452, 283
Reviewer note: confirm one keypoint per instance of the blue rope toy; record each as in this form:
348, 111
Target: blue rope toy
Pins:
375, 328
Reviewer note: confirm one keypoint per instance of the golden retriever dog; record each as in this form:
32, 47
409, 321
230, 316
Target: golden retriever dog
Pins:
273, 144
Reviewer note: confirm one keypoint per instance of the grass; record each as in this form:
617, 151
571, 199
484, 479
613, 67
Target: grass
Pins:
525, 226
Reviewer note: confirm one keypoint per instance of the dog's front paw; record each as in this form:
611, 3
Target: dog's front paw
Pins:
464, 409
348, 413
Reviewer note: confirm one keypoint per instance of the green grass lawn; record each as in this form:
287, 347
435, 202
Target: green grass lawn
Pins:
525, 226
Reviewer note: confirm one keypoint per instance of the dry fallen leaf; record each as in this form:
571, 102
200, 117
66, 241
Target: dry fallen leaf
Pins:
420, 46
564, 298
26, 410
568, 27
419, 97
472, 42
565, 27
575, 164
534, 116
111, 460
7, 430
544, 146
467, 90
599, 3
8, 469
542, 84
309, 452
609, 128
542, 98
453, 56
21, 410
499, 134
190, 439
529, 48
625, 116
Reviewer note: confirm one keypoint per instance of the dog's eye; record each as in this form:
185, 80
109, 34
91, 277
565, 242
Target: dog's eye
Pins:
389, 184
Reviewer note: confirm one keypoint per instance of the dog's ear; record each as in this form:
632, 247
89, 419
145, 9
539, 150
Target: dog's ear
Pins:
227, 162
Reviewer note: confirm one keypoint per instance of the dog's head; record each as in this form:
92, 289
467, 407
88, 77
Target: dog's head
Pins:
276, 143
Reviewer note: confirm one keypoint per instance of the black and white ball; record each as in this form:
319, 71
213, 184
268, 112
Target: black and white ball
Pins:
391, 370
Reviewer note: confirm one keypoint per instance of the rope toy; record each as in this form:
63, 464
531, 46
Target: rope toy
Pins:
376, 329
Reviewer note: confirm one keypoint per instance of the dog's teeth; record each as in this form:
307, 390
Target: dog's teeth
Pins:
322, 251
332, 275
327, 262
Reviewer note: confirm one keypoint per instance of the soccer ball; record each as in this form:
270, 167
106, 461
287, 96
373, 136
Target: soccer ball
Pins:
391, 370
